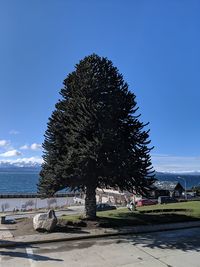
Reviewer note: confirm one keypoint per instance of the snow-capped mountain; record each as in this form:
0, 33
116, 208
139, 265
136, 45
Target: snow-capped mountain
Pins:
33, 163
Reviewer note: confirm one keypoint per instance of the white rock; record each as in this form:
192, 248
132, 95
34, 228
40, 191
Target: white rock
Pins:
45, 221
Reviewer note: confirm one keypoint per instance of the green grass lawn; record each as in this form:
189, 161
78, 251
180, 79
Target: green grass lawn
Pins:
154, 214
191, 208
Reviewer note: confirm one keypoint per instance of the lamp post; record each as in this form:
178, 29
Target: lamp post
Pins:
185, 186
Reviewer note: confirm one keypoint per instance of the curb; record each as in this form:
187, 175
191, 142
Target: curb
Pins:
132, 230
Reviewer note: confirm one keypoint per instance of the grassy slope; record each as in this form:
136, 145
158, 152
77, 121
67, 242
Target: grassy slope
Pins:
155, 214
191, 208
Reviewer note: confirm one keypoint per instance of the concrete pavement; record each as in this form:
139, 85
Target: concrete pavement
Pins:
177, 248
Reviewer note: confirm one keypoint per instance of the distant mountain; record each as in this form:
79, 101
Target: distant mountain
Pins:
22, 166
180, 173
20, 169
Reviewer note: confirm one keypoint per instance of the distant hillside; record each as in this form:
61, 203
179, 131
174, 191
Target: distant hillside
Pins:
192, 179
20, 169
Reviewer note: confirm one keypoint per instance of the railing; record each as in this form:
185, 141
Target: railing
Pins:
35, 195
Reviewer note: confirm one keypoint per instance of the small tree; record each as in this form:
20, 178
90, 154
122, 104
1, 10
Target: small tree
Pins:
94, 137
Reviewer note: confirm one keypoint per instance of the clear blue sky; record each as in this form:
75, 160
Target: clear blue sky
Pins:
154, 43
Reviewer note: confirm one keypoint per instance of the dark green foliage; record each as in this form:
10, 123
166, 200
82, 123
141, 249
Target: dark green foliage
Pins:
94, 137
196, 189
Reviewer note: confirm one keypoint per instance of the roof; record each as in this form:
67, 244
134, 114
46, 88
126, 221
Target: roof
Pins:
166, 185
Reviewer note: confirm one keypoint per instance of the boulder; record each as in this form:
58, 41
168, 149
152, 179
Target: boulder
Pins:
45, 221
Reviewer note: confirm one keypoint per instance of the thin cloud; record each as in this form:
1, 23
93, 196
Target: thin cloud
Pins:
24, 147
30, 159
11, 153
14, 132
4, 143
34, 147
169, 163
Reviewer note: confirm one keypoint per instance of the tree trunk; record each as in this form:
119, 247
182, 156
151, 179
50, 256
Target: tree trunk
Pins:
90, 202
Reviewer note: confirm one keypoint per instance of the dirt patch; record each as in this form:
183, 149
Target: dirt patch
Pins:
25, 227
22, 227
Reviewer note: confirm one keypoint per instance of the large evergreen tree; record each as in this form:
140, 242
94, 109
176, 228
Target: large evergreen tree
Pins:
94, 137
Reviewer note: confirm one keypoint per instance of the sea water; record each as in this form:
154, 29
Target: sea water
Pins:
18, 182
26, 181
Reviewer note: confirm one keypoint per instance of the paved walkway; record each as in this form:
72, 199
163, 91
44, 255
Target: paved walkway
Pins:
177, 248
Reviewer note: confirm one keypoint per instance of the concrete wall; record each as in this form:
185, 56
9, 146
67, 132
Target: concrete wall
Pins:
10, 204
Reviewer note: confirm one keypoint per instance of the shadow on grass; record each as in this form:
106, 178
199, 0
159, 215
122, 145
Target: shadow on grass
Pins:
121, 219
141, 218
165, 210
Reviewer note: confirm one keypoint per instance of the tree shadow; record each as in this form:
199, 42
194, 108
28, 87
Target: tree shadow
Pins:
13, 252
184, 240
141, 218
34, 257
69, 229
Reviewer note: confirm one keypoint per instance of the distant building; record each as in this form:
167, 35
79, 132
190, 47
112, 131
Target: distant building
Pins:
160, 188
167, 188
112, 196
